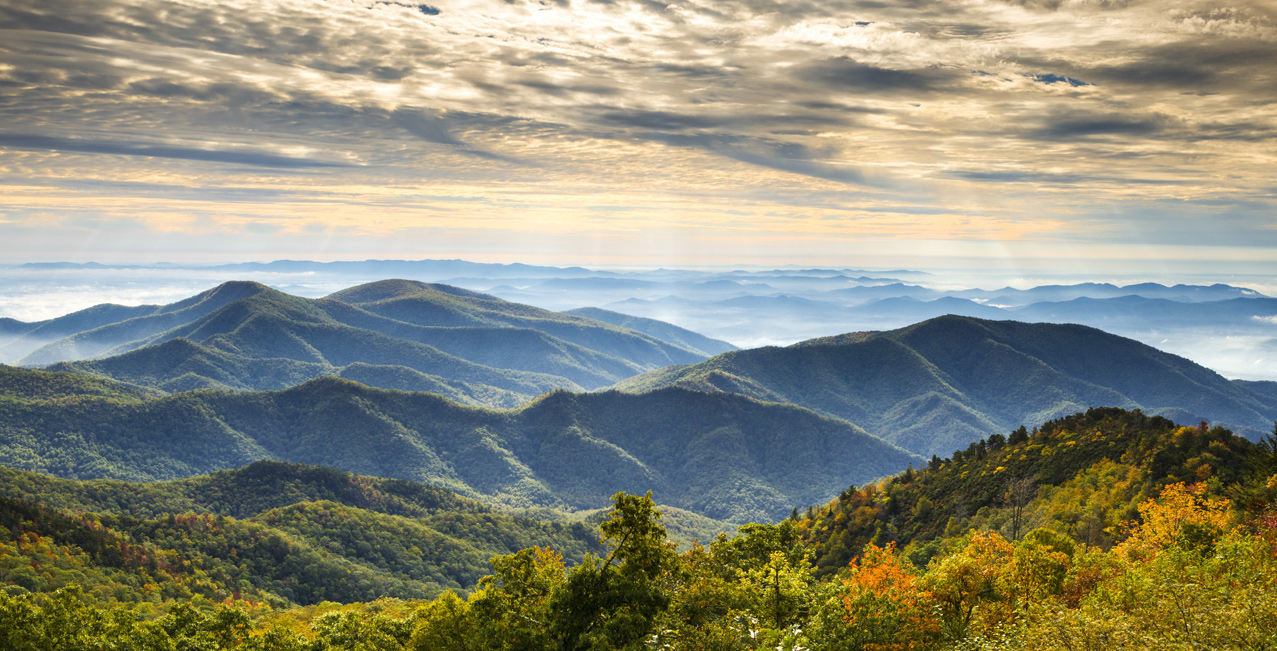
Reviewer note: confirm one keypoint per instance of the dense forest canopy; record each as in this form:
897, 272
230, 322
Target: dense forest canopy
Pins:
722, 456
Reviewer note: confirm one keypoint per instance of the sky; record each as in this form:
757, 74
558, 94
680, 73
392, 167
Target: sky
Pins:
1065, 135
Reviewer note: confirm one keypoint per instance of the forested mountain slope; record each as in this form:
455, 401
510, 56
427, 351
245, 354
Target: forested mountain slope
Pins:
426, 304
401, 334
1081, 475
271, 531
95, 330
724, 456
938, 385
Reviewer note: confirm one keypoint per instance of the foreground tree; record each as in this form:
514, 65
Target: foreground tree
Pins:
612, 603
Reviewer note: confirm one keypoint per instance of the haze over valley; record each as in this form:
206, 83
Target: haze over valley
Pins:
1198, 316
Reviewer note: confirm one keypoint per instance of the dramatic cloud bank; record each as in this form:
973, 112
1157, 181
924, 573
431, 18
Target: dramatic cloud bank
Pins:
1106, 132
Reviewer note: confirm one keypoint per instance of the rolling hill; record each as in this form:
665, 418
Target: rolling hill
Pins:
270, 531
396, 334
938, 385
112, 325
724, 456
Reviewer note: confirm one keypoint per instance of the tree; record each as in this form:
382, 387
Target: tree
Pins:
1039, 565
1017, 496
446, 624
512, 607
740, 592
968, 587
778, 591
1019, 436
880, 607
1183, 514
613, 602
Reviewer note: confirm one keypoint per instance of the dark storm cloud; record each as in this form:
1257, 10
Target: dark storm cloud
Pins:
253, 158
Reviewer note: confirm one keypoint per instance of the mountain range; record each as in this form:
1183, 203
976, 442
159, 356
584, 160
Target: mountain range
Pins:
1227, 327
724, 456
936, 386
297, 379
397, 334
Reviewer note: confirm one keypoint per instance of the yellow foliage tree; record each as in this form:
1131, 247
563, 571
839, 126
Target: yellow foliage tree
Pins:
970, 587
1164, 522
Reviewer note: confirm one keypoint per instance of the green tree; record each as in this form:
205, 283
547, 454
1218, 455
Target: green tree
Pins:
613, 602
512, 607
446, 624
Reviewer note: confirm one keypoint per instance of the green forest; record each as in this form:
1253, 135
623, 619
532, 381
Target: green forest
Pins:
726, 457
1107, 529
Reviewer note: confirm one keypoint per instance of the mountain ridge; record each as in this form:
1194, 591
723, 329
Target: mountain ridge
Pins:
470, 346
934, 386
728, 457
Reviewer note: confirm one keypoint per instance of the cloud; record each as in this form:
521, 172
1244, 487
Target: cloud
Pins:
848, 75
1080, 111
1047, 178
240, 157
665, 120
1080, 125
434, 129
778, 155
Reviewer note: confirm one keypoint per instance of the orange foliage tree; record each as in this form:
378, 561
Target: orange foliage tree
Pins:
885, 608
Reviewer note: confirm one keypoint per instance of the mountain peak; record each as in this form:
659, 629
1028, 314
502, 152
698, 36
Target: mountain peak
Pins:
231, 290
953, 379
384, 290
